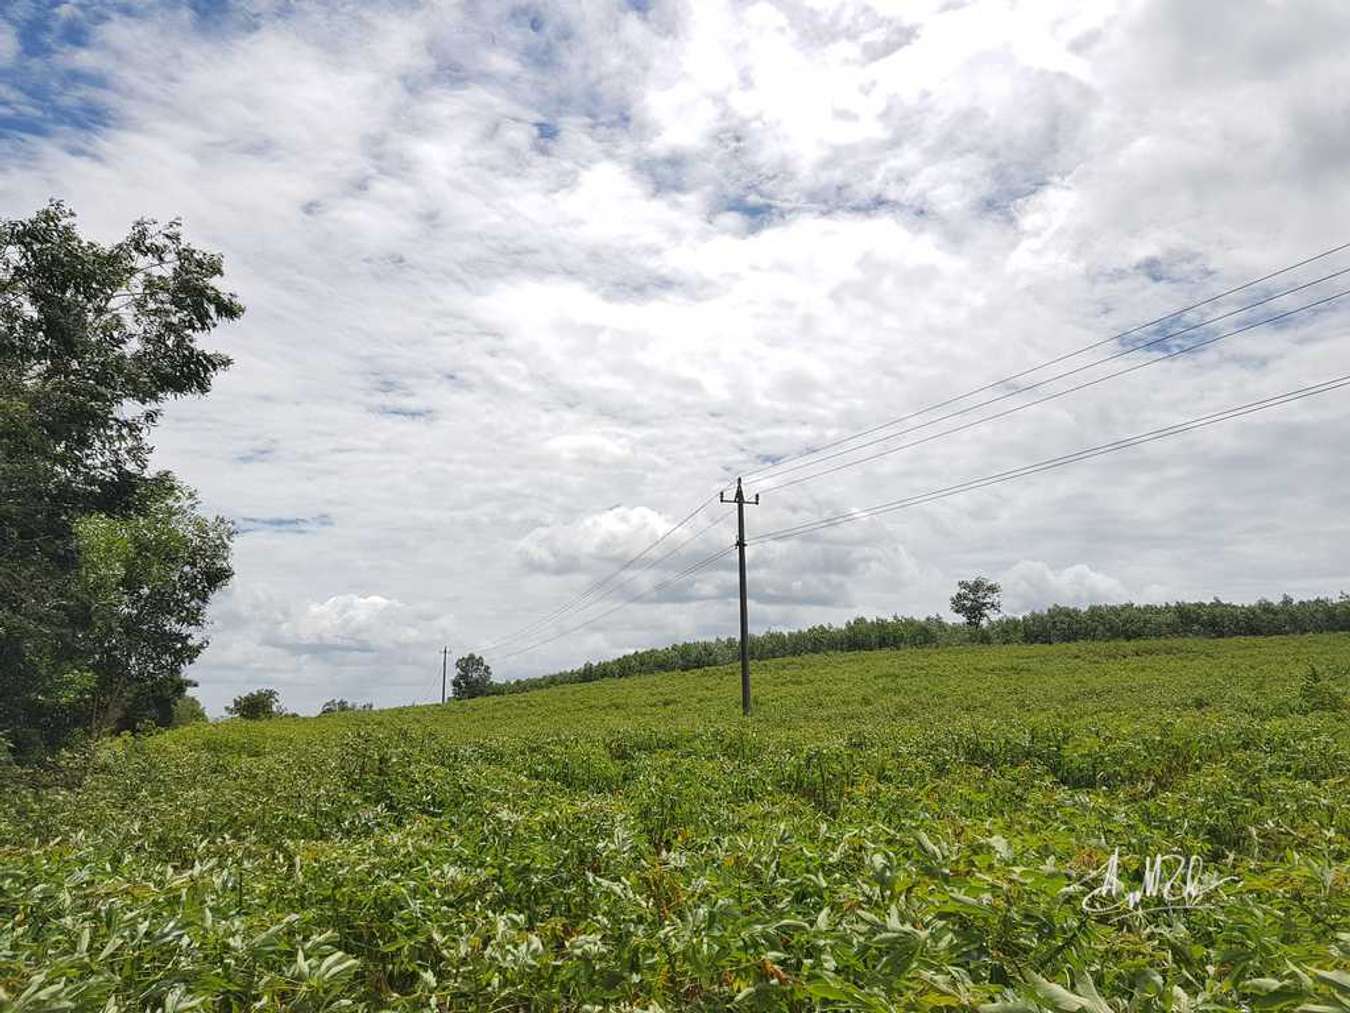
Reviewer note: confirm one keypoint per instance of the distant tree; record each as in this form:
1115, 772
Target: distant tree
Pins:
187, 710
338, 705
260, 705
473, 677
976, 600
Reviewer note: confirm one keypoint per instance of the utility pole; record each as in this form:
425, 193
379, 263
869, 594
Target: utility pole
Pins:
445, 658
740, 502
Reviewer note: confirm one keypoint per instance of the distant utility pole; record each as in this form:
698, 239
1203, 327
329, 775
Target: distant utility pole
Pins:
740, 502
445, 659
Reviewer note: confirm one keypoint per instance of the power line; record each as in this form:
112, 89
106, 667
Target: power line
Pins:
605, 587
684, 574
651, 590
1038, 401
576, 601
1049, 464
644, 569
1177, 429
1083, 368
776, 465
597, 586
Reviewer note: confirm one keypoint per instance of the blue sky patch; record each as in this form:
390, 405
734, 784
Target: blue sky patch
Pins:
256, 455
283, 525
757, 211
47, 93
1010, 189
667, 173
1174, 269
398, 412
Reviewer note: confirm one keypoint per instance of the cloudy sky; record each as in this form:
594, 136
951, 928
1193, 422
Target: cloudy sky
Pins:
526, 283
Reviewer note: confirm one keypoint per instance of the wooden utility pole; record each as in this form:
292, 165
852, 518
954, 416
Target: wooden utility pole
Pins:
445, 658
740, 502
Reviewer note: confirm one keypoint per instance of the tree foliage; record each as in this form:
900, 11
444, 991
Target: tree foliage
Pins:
94, 339
976, 600
145, 580
258, 705
188, 710
473, 677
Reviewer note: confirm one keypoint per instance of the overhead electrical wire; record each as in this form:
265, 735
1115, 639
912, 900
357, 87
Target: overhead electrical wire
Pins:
1200, 422
760, 472
638, 573
1041, 400
684, 574
584, 597
1063, 460
1083, 368
605, 587
579, 599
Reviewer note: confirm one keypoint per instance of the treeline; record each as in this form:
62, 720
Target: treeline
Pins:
1055, 625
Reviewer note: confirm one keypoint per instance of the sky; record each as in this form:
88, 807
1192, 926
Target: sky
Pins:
526, 283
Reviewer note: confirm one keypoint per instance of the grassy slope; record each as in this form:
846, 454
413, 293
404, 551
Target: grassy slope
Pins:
834, 695
906, 829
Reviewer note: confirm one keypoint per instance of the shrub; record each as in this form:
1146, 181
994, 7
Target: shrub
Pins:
1318, 692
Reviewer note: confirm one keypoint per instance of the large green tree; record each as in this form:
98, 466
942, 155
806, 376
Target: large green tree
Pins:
473, 677
94, 339
976, 600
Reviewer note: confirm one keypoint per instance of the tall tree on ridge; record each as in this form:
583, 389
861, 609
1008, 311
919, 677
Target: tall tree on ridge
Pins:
94, 339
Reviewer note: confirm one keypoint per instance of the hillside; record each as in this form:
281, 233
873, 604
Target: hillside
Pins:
889, 830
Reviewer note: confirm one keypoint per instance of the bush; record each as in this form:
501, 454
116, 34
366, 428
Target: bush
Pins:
339, 705
1318, 692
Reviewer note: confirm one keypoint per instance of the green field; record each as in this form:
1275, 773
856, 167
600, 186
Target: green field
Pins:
890, 830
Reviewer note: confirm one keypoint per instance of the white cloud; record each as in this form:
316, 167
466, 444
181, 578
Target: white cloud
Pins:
350, 622
508, 267
593, 447
358, 646
614, 535
1031, 584
9, 43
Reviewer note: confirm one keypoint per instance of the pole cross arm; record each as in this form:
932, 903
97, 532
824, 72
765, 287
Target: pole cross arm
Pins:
739, 497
